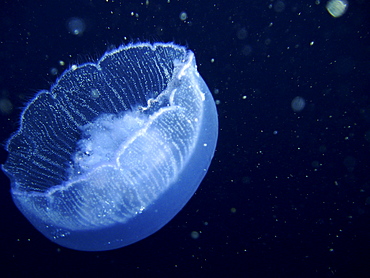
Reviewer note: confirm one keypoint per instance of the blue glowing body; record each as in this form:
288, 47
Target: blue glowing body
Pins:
115, 149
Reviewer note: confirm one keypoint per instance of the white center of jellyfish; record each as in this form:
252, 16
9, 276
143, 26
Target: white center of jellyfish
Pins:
102, 138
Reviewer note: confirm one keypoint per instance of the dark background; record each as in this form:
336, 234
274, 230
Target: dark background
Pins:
287, 194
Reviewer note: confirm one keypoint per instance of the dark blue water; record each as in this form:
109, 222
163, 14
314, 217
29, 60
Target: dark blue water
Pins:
287, 194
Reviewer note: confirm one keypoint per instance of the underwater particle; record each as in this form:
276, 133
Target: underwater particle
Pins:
76, 26
298, 103
183, 16
6, 107
337, 8
53, 71
194, 235
279, 6
247, 49
242, 33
